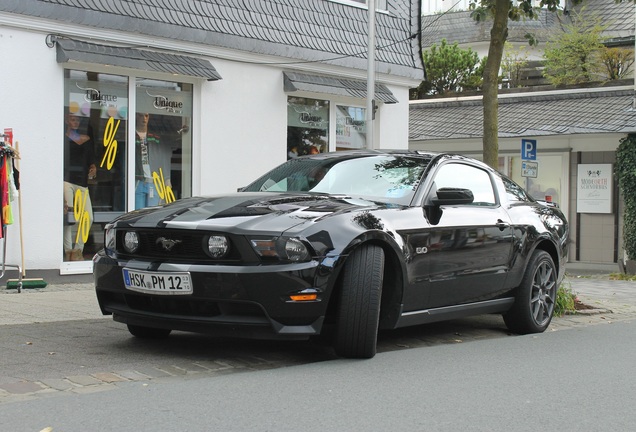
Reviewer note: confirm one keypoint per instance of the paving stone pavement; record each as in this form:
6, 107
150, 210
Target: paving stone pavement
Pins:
612, 300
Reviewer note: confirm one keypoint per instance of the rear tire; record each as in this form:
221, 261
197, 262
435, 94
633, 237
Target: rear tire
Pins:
359, 307
536, 296
148, 332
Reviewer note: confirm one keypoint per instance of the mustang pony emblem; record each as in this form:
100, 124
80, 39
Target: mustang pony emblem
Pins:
167, 244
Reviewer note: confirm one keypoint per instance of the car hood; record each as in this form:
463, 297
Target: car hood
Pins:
246, 212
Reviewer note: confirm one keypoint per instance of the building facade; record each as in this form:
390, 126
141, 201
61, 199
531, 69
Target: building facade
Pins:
120, 104
558, 143
561, 146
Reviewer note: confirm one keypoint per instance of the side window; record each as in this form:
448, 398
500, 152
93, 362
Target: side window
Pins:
456, 175
514, 192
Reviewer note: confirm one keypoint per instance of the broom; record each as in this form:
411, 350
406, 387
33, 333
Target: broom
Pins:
23, 282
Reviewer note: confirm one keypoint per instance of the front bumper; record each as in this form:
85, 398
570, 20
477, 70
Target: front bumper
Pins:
235, 301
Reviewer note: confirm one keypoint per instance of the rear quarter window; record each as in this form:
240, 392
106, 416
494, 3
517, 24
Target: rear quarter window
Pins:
514, 192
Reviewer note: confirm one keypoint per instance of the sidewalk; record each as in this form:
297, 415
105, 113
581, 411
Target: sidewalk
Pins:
62, 302
77, 301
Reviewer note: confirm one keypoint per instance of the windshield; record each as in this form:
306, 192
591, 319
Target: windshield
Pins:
391, 179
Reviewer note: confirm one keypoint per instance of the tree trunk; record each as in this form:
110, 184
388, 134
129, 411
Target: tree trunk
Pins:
498, 35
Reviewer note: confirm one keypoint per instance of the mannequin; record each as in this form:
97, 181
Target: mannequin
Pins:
150, 157
79, 168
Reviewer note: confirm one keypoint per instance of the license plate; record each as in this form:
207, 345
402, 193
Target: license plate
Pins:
158, 283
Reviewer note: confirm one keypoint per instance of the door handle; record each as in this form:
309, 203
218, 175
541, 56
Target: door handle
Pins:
502, 225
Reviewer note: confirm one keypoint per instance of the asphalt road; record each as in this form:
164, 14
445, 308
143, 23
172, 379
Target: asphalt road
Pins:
579, 379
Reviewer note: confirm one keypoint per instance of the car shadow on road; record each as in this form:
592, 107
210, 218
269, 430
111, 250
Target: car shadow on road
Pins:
446, 332
61, 349
259, 353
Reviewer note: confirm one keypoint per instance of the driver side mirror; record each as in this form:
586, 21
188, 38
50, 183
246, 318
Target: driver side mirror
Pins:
445, 197
452, 196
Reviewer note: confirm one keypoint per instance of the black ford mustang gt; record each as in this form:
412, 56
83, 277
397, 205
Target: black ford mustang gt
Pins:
342, 243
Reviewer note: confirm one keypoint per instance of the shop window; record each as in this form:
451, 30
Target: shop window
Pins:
351, 129
163, 143
307, 126
95, 122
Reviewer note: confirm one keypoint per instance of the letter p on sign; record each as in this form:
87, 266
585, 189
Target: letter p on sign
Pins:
528, 149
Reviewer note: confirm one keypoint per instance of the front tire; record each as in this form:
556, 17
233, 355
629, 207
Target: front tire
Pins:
536, 296
359, 307
148, 332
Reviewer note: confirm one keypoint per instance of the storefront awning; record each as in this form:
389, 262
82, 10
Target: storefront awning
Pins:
294, 81
146, 60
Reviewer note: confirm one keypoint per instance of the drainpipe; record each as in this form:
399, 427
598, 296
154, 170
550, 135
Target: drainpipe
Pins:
371, 75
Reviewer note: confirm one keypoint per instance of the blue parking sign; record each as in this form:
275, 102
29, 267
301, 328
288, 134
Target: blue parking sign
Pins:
528, 149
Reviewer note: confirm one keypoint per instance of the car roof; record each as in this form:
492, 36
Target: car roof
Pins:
367, 152
432, 156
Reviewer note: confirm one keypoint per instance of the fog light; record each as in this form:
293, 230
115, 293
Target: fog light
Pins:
218, 246
131, 242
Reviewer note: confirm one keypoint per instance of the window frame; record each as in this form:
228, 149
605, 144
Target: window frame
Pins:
380, 5
433, 187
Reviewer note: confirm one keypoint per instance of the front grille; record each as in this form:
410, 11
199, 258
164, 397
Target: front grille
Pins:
178, 306
173, 306
187, 246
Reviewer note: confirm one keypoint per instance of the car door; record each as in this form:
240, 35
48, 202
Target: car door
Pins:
469, 246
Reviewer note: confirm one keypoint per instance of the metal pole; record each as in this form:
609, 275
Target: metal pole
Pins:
371, 75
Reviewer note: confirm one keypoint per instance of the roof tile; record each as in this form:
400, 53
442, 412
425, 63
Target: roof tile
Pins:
584, 112
313, 30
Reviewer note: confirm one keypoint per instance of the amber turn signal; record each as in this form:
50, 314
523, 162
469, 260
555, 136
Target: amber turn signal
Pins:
303, 297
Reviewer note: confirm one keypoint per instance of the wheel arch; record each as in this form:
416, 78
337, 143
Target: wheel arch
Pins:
535, 242
550, 248
392, 282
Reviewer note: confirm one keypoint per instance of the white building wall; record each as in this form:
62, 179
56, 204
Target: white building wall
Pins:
243, 126
32, 104
393, 118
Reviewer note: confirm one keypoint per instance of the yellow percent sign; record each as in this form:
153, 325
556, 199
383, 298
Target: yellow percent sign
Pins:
165, 192
81, 215
110, 143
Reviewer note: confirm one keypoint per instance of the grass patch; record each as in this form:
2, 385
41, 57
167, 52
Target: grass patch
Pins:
622, 276
565, 300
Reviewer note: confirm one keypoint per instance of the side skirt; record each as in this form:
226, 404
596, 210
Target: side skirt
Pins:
453, 312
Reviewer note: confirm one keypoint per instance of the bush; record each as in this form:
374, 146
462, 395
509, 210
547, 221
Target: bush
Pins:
625, 171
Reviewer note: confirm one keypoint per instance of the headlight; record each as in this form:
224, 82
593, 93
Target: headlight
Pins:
281, 248
131, 242
217, 246
296, 250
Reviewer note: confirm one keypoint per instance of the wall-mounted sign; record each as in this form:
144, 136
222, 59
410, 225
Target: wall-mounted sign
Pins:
594, 188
